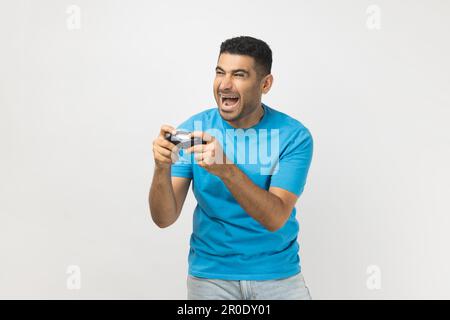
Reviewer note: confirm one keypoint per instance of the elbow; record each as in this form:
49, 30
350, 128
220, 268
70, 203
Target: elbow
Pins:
278, 221
276, 225
163, 225
160, 223
273, 228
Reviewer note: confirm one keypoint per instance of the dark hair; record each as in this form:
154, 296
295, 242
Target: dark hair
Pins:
255, 48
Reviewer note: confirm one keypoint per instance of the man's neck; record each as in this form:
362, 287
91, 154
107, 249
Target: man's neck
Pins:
250, 120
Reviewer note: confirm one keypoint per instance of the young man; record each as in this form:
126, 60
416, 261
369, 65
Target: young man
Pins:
244, 241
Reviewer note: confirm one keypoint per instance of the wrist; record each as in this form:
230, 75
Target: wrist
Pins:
162, 168
229, 172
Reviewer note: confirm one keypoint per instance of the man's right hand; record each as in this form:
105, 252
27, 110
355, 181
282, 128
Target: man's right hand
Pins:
164, 151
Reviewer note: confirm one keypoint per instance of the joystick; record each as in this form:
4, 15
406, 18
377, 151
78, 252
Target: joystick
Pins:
183, 139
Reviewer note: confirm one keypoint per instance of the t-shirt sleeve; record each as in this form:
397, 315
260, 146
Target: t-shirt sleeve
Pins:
294, 164
183, 166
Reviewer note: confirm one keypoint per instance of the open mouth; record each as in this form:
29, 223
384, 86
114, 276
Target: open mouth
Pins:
229, 101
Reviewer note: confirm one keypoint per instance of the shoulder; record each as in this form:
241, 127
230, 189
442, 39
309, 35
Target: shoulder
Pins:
289, 125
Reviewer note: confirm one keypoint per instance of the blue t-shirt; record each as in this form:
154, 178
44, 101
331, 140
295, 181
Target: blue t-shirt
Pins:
226, 242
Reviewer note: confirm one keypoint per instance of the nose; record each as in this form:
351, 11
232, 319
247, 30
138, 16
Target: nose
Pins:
226, 83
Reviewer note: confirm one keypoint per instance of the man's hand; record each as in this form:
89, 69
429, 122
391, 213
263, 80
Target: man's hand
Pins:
164, 151
210, 156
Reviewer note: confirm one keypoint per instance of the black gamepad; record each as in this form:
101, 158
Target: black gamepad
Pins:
182, 139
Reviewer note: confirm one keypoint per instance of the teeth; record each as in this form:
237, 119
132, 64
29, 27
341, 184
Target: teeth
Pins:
225, 96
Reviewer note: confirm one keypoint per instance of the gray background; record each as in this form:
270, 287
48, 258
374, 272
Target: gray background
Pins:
79, 110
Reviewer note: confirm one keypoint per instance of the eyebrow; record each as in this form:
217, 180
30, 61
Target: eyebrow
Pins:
234, 71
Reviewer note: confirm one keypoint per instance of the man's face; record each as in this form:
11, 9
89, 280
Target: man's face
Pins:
237, 86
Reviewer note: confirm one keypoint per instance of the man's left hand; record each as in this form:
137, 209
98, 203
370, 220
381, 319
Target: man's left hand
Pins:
210, 156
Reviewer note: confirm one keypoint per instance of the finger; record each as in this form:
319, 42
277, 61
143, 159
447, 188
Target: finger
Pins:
197, 148
161, 154
160, 158
163, 142
202, 164
171, 156
163, 151
198, 156
204, 135
208, 160
166, 128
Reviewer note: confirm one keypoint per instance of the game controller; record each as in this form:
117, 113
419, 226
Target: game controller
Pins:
183, 140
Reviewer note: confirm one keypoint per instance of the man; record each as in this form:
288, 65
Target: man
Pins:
244, 241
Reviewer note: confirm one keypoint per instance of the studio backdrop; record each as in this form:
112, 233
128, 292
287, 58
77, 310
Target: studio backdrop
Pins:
86, 85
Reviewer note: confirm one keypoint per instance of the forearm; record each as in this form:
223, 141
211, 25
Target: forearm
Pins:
262, 205
163, 206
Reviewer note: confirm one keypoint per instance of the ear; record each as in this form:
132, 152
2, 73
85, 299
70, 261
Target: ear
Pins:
266, 83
